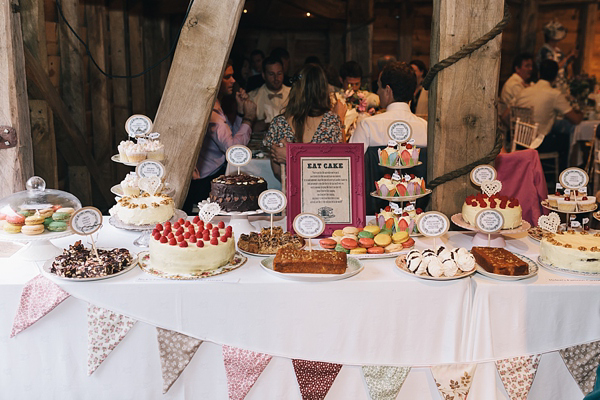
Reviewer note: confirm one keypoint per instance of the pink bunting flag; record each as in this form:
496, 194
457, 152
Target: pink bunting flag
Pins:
106, 329
242, 367
176, 351
315, 378
39, 296
517, 375
454, 381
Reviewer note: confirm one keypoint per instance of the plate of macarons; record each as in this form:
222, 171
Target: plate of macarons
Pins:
368, 242
42, 224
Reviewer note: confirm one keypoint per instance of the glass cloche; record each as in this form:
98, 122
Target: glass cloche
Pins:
37, 197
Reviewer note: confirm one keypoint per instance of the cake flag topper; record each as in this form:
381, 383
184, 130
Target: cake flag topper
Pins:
176, 351
315, 378
106, 329
491, 188
549, 222
582, 363
454, 380
384, 382
208, 211
243, 368
517, 375
39, 296
150, 185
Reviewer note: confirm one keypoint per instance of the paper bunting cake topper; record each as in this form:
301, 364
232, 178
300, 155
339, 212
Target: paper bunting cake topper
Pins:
208, 211
150, 185
550, 222
491, 188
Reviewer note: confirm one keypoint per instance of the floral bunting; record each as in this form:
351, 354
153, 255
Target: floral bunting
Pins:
176, 351
384, 382
454, 381
582, 362
242, 367
517, 375
39, 296
106, 329
315, 378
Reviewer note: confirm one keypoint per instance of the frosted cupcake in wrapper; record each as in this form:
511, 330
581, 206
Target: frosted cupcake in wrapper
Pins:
587, 203
408, 154
129, 185
136, 153
389, 155
156, 150
122, 147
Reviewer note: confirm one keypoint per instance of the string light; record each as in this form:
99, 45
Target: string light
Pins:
308, 14
245, 11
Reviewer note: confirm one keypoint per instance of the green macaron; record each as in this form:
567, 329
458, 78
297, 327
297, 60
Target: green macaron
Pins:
365, 234
61, 216
340, 248
57, 226
26, 213
48, 221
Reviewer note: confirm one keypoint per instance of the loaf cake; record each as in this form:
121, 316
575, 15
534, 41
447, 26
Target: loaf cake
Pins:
237, 192
499, 261
290, 260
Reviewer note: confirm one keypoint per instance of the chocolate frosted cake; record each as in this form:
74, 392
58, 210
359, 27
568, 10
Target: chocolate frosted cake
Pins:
237, 192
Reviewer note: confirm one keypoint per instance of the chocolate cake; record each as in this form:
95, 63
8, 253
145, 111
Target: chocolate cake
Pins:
289, 260
79, 262
266, 242
237, 192
499, 261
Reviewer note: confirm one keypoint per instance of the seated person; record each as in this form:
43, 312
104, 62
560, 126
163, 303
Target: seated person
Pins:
419, 104
397, 83
220, 135
255, 80
270, 98
351, 79
307, 118
284, 56
519, 80
547, 103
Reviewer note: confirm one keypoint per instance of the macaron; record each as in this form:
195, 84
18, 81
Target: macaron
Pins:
375, 250
409, 243
2, 216
400, 237
34, 220
26, 213
48, 221
60, 216
15, 219
393, 248
382, 240
358, 250
365, 234
339, 247
57, 226
47, 212
10, 228
366, 242
385, 231
374, 229
68, 210
338, 232
328, 243
350, 230
32, 229
349, 243
350, 236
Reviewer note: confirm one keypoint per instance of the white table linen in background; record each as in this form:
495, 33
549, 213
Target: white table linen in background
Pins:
584, 132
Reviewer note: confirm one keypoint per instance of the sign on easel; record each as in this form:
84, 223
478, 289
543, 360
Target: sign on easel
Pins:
400, 131
574, 178
149, 169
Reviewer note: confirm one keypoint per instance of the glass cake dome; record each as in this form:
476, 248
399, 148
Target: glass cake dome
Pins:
37, 197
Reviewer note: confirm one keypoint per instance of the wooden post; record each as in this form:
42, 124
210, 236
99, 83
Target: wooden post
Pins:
462, 111
16, 162
528, 26
586, 37
192, 86
359, 34
136, 57
156, 46
405, 32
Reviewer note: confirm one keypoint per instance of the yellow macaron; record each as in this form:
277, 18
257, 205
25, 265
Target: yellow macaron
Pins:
374, 229
394, 247
382, 239
338, 232
68, 210
32, 229
358, 250
400, 237
34, 220
10, 228
350, 230
46, 213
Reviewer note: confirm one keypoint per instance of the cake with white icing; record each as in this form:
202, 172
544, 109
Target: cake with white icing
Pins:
144, 209
509, 208
576, 251
191, 246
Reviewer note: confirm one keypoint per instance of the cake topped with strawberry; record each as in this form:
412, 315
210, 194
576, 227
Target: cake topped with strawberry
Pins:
400, 186
399, 155
509, 207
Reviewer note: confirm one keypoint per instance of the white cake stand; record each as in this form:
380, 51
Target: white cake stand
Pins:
39, 247
144, 239
239, 221
495, 239
400, 166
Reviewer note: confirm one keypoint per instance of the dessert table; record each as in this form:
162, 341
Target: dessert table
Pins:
378, 317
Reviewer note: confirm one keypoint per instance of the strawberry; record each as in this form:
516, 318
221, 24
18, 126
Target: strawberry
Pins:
196, 219
159, 227
216, 234
214, 241
187, 223
193, 239
405, 214
557, 193
163, 239
409, 146
179, 231
209, 226
181, 221
187, 235
412, 176
176, 225
387, 176
206, 237
180, 238
170, 235
154, 232
173, 242
168, 223
221, 225
183, 244
224, 239
584, 198
199, 243
388, 209
419, 211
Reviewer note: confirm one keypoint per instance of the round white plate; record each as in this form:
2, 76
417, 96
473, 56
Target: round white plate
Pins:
144, 260
48, 264
262, 255
402, 199
400, 166
370, 256
117, 158
118, 191
47, 235
545, 205
117, 223
597, 216
591, 275
533, 270
401, 264
458, 220
353, 268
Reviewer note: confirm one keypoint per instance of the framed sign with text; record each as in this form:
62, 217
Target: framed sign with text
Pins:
327, 180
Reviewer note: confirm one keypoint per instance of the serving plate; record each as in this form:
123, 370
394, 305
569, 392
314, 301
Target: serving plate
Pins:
48, 265
401, 264
354, 267
532, 265
591, 275
237, 261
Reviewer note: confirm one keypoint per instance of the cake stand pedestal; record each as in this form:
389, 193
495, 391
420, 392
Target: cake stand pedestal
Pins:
39, 247
495, 239
144, 239
239, 221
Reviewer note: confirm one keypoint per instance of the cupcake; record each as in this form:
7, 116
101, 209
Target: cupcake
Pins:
566, 205
136, 153
122, 147
587, 203
129, 185
156, 151
553, 200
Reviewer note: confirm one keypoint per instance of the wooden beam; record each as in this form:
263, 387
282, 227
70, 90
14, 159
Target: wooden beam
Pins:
44, 142
16, 162
586, 37
287, 24
37, 76
136, 57
331, 9
191, 89
359, 34
156, 46
405, 32
528, 26
462, 111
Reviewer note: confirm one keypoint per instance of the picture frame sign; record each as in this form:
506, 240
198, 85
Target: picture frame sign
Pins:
574, 178
149, 169
483, 173
138, 125
400, 131
272, 201
433, 224
86, 220
489, 221
238, 156
308, 226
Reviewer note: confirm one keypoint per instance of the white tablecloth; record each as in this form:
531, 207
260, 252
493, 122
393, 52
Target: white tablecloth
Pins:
584, 132
378, 317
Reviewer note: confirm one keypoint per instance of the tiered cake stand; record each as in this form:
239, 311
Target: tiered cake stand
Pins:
118, 191
495, 239
568, 213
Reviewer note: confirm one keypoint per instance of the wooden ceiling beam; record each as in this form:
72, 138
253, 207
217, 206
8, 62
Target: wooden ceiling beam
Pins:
331, 9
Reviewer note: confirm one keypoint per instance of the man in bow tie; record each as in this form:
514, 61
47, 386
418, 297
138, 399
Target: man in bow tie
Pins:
271, 97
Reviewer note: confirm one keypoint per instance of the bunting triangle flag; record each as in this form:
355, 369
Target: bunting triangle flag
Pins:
39, 296
242, 367
106, 329
315, 378
384, 382
582, 362
176, 351
517, 375
454, 381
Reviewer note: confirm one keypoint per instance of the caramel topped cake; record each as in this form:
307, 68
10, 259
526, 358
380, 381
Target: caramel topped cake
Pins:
289, 260
499, 261
576, 251
79, 262
266, 242
144, 209
237, 192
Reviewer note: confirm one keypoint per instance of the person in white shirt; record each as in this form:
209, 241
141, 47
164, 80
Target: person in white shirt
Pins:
522, 68
397, 83
351, 79
271, 98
